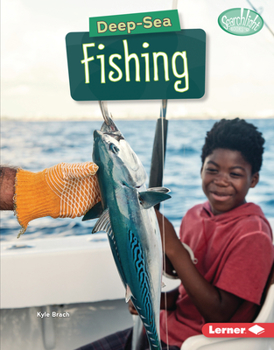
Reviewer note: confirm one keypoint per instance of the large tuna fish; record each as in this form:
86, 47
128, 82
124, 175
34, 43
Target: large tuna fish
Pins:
128, 217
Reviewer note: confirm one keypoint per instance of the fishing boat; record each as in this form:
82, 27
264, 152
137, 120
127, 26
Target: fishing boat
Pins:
61, 293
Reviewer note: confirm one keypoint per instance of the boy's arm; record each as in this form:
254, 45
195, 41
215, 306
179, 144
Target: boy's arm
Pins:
214, 304
168, 299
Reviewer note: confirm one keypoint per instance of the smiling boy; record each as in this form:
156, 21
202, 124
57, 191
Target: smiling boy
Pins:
230, 238
226, 179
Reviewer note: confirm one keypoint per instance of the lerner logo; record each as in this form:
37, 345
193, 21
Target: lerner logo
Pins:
240, 21
256, 329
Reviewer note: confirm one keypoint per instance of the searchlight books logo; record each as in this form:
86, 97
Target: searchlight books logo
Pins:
238, 330
240, 21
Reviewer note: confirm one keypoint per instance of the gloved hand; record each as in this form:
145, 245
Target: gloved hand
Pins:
64, 190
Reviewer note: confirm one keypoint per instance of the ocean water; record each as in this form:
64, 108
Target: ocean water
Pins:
35, 146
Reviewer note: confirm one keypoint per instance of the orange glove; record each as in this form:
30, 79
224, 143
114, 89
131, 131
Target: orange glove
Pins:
64, 190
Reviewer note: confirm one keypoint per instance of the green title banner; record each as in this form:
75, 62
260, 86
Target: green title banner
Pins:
135, 23
131, 67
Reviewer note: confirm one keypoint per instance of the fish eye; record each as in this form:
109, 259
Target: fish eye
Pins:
114, 148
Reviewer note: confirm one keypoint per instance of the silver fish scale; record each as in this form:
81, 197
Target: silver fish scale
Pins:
105, 225
112, 238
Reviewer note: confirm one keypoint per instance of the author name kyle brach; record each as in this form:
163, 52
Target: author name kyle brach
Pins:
53, 314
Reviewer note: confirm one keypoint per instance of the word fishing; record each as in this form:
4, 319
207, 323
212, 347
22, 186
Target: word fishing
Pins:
116, 72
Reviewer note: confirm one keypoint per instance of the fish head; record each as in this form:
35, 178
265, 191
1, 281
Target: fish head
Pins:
115, 157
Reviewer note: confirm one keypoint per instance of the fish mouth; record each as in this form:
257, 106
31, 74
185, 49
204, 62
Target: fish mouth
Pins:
116, 136
98, 134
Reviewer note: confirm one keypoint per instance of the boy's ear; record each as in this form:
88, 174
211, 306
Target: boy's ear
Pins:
255, 179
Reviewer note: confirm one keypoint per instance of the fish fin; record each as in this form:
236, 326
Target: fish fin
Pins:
94, 212
103, 223
128, 294
150, 197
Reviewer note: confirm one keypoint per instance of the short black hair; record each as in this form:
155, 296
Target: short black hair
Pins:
236, 135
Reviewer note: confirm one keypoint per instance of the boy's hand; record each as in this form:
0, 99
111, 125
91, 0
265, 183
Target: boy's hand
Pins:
131, 308
64, 190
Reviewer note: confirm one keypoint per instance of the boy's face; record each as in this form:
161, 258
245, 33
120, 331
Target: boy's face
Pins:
226, 179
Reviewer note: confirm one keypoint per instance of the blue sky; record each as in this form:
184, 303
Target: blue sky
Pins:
34, 77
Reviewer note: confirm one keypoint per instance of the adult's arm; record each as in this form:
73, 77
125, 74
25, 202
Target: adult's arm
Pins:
7, 182
64, 190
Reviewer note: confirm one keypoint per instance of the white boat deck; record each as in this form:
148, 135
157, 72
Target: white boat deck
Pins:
23, 328
76, 278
